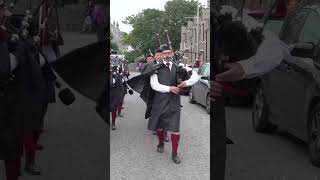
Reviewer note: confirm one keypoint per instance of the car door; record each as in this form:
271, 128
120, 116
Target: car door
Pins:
196, 88
203, 85
277, 81
300, 77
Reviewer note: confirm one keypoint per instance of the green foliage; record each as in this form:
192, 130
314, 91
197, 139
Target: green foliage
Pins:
149, 22
114, 46
132, 55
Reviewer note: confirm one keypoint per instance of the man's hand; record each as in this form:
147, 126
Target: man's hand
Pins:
215, 89
7, 13
174, 89
234, 73
182, 85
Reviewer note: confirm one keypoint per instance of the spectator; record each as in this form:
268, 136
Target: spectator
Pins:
88, 16
99, 20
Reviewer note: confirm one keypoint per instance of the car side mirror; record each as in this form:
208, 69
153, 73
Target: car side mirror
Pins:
205, 77
303, 50
316, 61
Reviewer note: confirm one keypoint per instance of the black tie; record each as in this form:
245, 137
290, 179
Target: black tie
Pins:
168, 65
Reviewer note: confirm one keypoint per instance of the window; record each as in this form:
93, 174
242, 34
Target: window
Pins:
311, 29
201, 70
207, 71
291, 27
202, 31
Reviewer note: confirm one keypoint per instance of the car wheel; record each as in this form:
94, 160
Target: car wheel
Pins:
208, 103
260, 120
191, 98
314, 135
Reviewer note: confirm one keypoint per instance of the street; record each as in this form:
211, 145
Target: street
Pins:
264, 156
133, 154
75, 137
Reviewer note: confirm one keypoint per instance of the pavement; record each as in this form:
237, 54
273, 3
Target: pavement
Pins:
255, 156
75, 138
133, 154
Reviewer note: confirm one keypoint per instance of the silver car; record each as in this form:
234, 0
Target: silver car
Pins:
199, 92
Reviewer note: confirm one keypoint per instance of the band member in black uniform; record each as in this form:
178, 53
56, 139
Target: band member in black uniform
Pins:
150, 59
166, 105
10, 123
123, 91
22, 104
48, 46
158, 55
116, 94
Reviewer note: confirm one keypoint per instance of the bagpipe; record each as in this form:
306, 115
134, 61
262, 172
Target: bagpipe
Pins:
182, 73
117, 71
235, 52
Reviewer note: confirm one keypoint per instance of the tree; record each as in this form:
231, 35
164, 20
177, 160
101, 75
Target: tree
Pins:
145, 27
149, 22
132, 55
114, 46
175, 13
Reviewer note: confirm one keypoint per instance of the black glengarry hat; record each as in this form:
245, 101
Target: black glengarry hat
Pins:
165, 47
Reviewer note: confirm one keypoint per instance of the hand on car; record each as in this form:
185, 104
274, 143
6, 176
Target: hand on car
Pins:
235, 72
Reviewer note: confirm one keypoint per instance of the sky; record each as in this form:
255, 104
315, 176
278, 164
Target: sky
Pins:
120, 9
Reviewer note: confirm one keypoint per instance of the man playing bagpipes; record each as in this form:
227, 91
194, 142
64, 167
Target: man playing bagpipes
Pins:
116, 94
159, 86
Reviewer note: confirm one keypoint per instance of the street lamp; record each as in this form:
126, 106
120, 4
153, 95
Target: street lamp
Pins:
197, 27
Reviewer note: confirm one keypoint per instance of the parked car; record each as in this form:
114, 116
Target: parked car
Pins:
199, 92
274, 23
288, 97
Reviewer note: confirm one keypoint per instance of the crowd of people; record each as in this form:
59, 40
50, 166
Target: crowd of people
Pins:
95, 17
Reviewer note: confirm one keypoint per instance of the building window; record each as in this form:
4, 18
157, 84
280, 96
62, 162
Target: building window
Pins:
202, 31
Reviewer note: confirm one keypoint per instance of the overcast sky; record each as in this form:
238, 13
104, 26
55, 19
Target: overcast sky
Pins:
120, 9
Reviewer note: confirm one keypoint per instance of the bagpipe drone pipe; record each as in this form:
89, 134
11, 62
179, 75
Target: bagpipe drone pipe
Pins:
182, 73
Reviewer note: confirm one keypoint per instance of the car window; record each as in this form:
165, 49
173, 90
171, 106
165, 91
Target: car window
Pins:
310, 32
207, 71
274, 26
201, 70
291, 27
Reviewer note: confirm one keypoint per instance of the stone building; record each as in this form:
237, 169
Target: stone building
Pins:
118, 36
189, 36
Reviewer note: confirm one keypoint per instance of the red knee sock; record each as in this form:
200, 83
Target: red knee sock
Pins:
175, 142
119, 108
12, 168
30, 145
161, 136
113, 116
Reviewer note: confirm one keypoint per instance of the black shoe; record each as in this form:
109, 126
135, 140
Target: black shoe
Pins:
166, 139
160, 148
155, 133
120, 115
33, 170
113, 128
40, 147
176, 159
